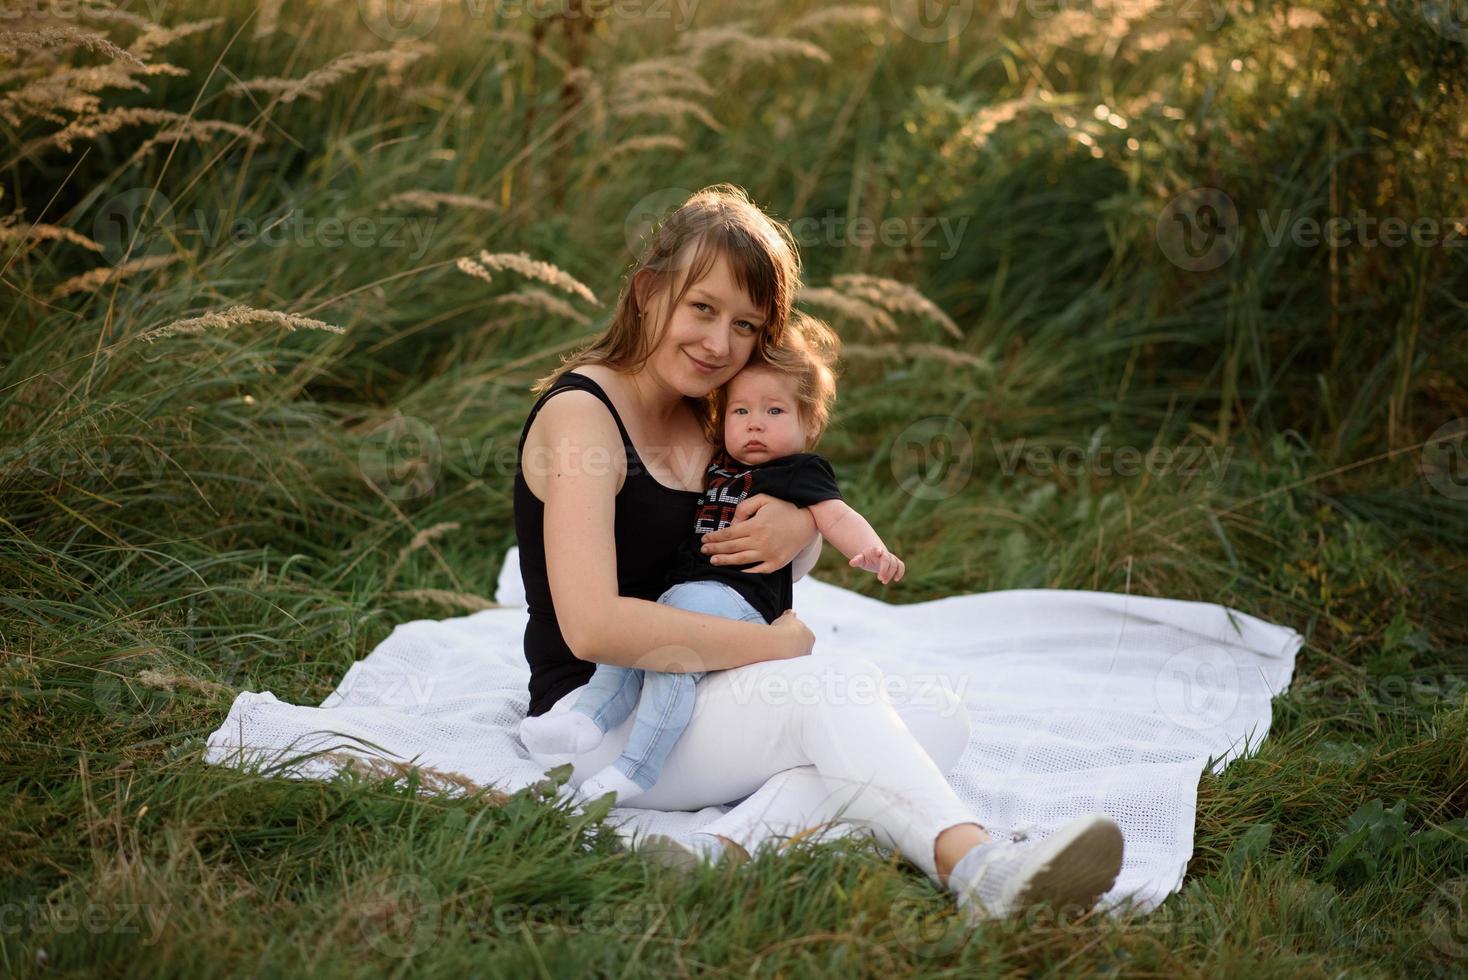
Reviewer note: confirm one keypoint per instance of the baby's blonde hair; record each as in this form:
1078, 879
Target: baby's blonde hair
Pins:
807, 353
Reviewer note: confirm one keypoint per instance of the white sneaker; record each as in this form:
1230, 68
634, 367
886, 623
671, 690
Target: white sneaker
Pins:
673, 853
1073, 867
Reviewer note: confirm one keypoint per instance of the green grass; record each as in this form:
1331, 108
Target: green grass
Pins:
229, 508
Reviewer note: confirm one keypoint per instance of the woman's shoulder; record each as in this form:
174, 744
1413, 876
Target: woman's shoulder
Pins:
604, 377
575, 413
605, 385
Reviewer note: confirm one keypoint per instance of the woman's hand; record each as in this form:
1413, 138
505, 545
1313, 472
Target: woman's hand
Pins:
794, 638
765, 529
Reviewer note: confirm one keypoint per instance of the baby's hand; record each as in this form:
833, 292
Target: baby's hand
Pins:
889, 567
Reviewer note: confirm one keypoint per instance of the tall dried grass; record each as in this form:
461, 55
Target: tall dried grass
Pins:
104, 123
12, 230
538, 299
235, 316
872, 300
738, 48
44, 85
314, 83
895, 297
433, 200
522, 264
95, 279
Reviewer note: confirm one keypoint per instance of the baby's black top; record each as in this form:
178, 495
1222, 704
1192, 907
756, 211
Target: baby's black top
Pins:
651, 525
802, 479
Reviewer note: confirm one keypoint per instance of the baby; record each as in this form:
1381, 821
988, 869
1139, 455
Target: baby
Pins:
767, 427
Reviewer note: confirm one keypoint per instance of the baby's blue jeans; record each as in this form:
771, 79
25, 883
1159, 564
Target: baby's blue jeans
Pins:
665, 705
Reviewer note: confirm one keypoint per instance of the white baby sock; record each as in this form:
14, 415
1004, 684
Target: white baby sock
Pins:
609, 780
567, 732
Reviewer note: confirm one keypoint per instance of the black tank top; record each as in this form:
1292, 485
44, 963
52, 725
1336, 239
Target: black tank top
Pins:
652, 520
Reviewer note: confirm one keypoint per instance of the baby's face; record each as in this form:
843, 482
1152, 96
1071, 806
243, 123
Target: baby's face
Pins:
762, 418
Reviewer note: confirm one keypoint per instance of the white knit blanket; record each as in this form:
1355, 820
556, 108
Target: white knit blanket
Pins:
1080, 701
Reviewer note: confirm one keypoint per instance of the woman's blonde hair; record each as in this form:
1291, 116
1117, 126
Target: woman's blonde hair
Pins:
808, 354
718, 220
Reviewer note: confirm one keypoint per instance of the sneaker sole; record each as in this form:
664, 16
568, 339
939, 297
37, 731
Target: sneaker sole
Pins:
673, 853
1072, 868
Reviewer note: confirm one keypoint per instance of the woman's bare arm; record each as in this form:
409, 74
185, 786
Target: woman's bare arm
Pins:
581, 563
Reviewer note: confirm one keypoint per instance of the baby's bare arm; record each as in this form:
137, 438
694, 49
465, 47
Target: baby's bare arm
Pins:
851, 532
840, 524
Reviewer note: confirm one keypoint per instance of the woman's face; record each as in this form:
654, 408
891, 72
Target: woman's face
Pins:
711, 335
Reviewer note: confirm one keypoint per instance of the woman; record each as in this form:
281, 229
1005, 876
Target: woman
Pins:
610, 471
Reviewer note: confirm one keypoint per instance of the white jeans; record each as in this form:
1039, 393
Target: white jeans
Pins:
809, 738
